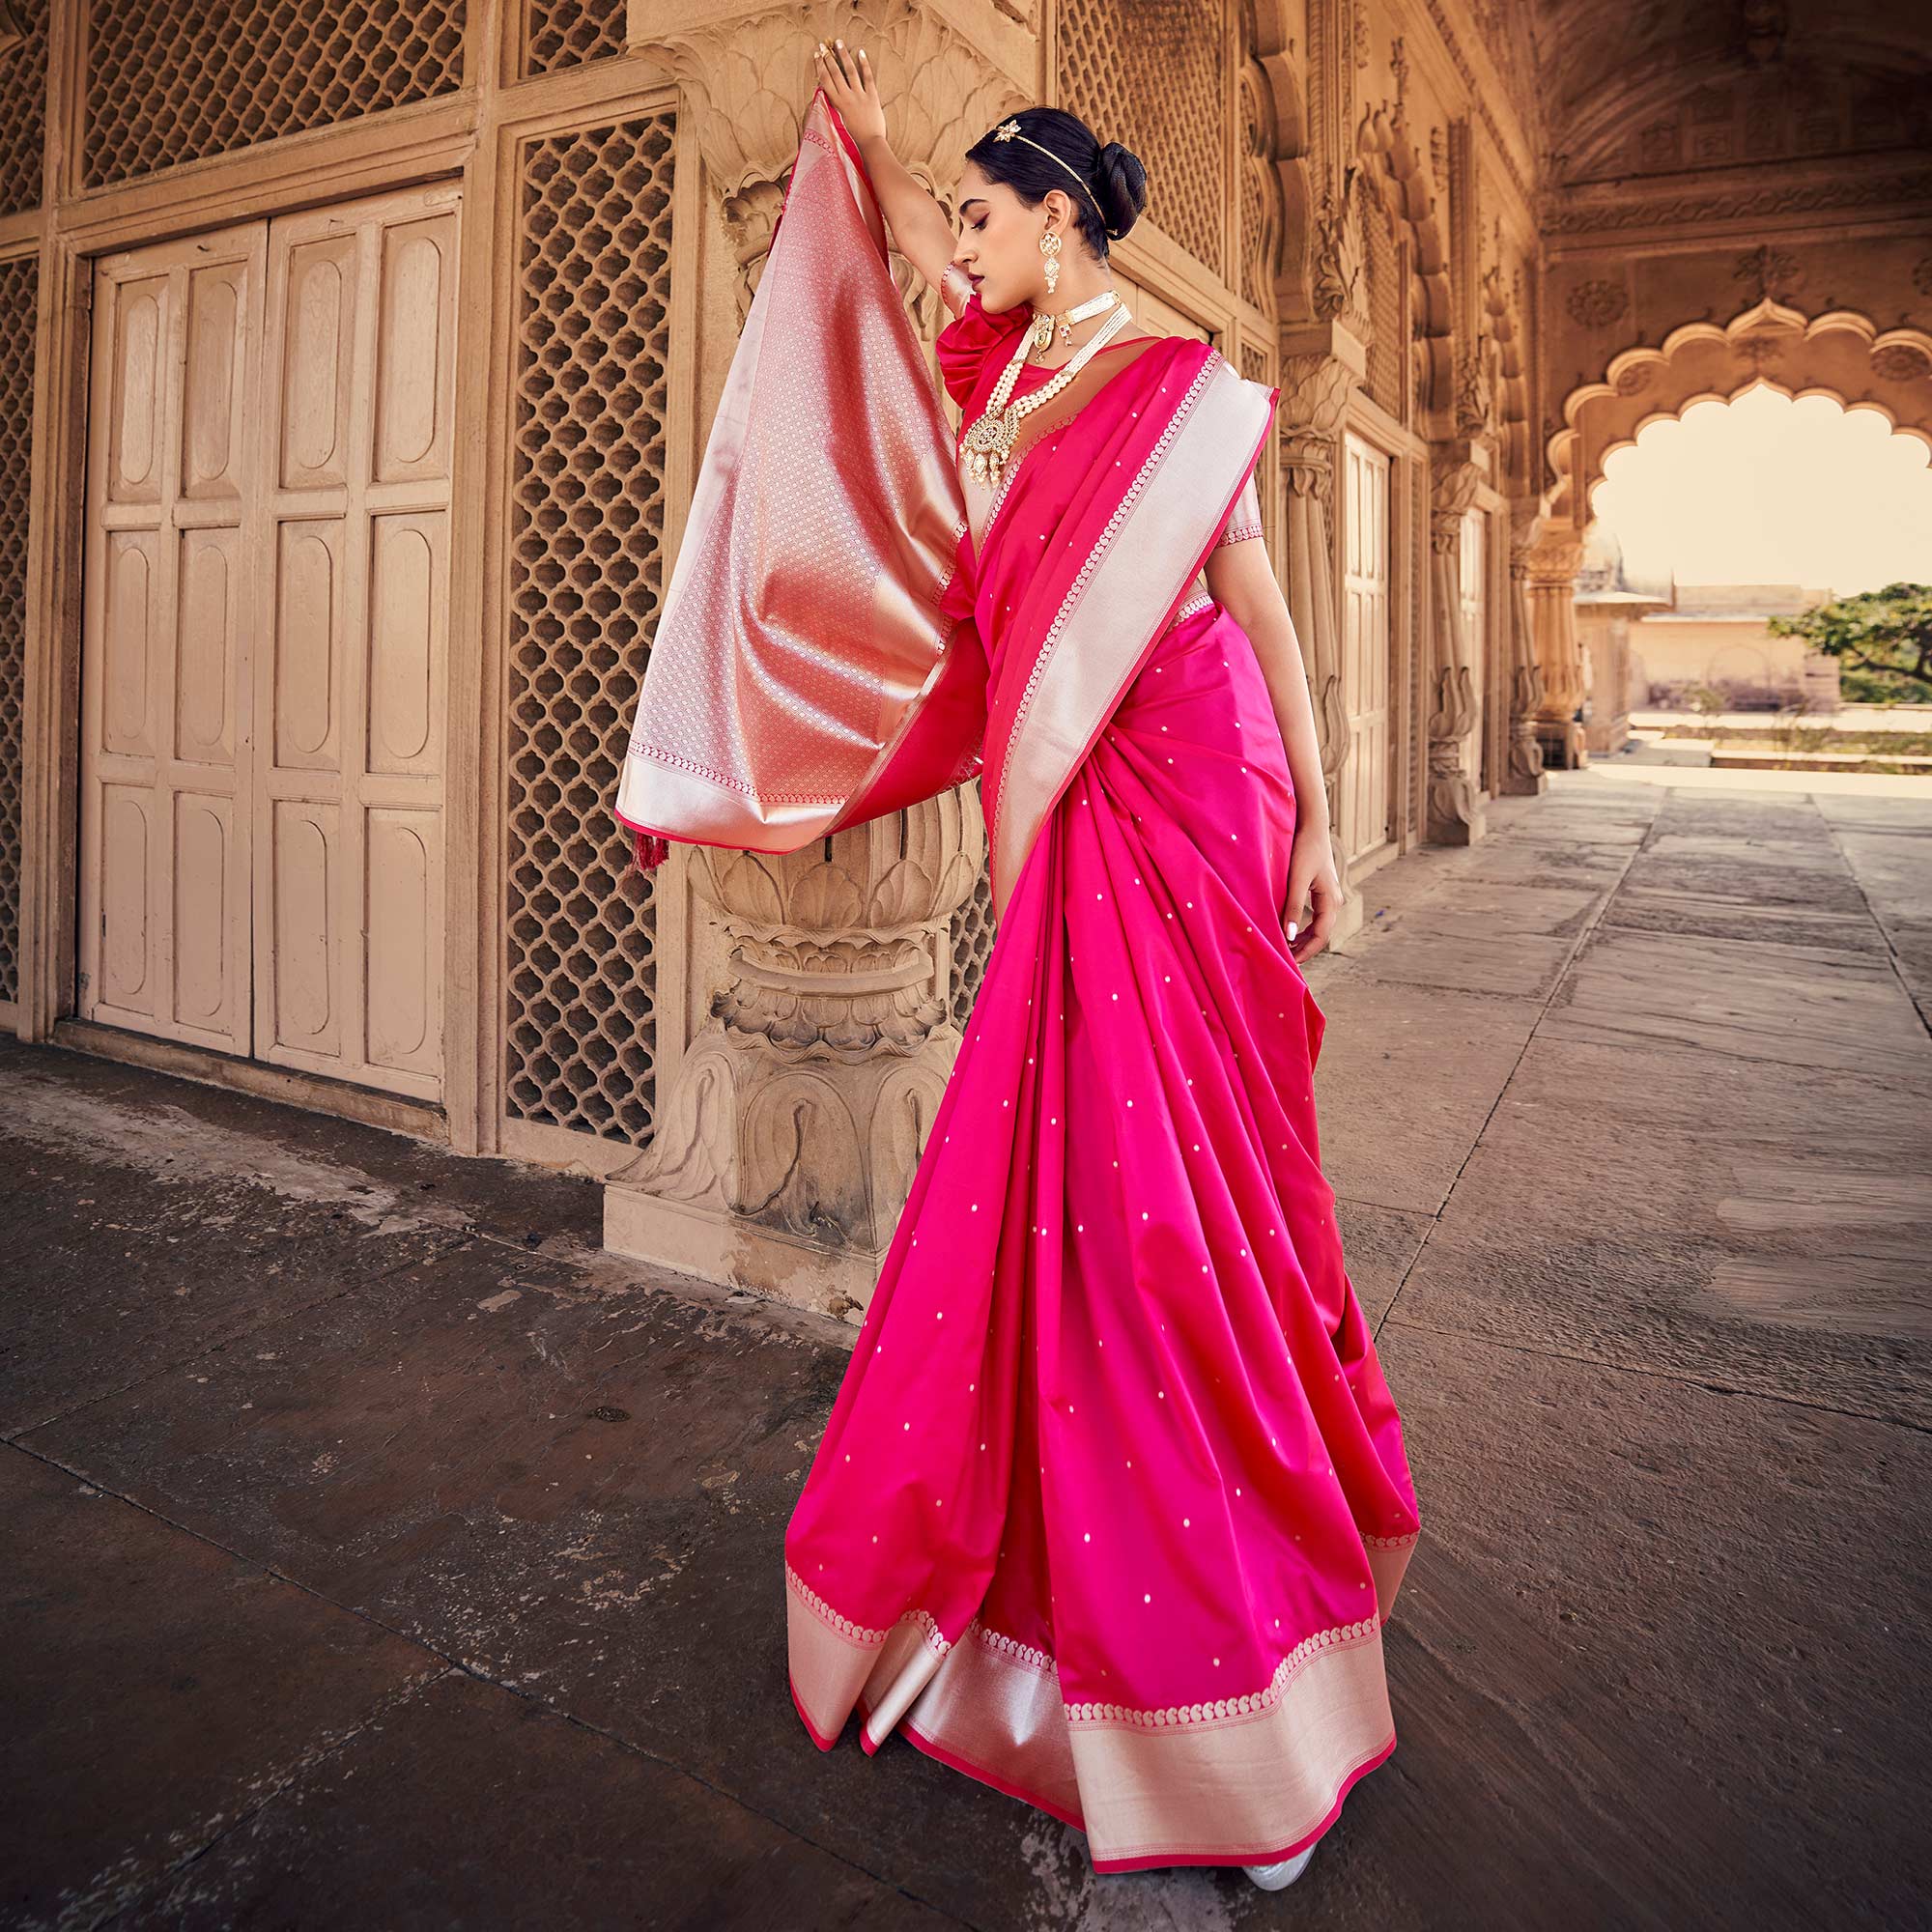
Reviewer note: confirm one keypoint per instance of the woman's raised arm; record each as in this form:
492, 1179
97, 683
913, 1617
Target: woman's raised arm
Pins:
920, 229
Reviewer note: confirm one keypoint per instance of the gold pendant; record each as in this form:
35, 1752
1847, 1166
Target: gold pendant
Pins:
988, 445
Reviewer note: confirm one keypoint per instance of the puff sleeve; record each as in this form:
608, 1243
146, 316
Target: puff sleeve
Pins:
966, 342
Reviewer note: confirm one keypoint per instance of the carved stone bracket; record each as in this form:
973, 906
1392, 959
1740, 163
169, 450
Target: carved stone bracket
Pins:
747, 78
1340, 284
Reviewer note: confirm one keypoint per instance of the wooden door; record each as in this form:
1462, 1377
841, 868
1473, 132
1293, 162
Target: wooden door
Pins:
1364, 789
172, 523
358, 382
265, 640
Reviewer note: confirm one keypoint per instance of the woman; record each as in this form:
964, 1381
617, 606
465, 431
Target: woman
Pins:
1115, 1527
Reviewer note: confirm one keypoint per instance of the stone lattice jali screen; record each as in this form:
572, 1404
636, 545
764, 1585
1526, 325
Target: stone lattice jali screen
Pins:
178, 80
24, 96
1150, 74
20, 280
586, 549
567, 33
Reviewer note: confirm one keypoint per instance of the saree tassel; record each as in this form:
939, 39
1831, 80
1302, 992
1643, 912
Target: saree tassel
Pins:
649, 849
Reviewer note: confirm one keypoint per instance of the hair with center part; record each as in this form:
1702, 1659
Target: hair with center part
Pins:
1111, 190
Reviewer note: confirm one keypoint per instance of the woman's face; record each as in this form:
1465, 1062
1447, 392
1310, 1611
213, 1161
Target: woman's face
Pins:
999, 240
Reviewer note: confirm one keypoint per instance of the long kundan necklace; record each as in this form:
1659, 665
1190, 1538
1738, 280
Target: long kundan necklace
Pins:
988, 444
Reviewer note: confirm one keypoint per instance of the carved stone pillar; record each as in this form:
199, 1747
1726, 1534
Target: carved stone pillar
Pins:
789, 1130
1314, 394
1523, 774
785, 1148
1454, 814
1553, 561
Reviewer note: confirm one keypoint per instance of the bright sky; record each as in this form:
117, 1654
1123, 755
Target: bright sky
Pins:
1765, 490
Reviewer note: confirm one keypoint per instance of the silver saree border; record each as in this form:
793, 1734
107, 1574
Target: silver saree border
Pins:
1231, 1780
1121, 599
812, 608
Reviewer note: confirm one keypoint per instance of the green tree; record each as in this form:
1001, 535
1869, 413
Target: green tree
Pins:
1887, 631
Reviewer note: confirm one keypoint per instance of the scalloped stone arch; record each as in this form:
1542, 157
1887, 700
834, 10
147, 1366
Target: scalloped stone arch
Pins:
1839, 354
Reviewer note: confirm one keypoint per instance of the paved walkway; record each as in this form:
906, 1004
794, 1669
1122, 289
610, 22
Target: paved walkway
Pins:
380, 1556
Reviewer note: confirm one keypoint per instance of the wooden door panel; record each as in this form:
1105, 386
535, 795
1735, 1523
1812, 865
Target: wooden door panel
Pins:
1474, 566
164, 866
305, 639
351, 749
136, 332
315, 323
307, 892
124, 975
129, 623
220, 337
419, 332
409, 619
264, 639
210, 876
405, 957
1365, 649
206, 658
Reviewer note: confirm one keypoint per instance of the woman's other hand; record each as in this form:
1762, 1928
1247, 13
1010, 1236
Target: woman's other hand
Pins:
1312, 880
848, 80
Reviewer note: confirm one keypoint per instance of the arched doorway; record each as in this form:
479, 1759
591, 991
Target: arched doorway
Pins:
1738, 511
1839, 354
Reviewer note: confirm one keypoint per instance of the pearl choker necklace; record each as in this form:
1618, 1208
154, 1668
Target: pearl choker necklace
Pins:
989, 443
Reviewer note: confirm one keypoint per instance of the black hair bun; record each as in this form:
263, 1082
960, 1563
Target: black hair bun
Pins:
1120, 187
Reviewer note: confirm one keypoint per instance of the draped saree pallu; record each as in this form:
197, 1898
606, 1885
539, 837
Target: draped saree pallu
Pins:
1112, 1501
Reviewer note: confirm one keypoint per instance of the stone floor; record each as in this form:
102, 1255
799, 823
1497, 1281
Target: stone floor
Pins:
380, 1555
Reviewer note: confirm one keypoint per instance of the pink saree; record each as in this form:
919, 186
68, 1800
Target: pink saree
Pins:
1113, 1502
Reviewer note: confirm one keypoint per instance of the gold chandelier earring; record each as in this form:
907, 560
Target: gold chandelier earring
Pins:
1049, 246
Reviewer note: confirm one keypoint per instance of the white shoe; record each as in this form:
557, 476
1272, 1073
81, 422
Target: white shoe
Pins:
1271, 1878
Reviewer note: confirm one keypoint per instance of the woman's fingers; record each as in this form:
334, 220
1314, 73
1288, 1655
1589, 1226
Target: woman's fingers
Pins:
851, 68
1292, 908
1328, 902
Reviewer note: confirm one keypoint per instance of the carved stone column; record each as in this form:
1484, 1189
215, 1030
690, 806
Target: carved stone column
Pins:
1523, 774
785, 1148
1553, 561
788, 1134
1454, 814
1314, 394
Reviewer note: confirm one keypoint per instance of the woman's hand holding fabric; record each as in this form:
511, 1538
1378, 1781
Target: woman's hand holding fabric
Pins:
1312, 880
848, 83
